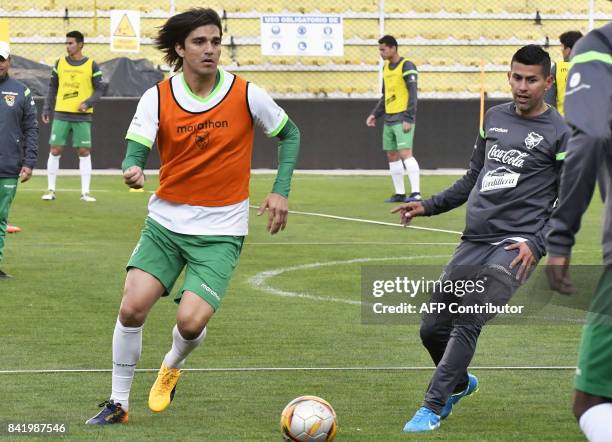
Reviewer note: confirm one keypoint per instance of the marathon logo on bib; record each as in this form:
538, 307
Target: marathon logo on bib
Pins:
500, 178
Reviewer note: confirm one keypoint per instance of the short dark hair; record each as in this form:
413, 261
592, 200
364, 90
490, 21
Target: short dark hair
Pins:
178, 27
569, 38
532, 55
388, 40
76, 35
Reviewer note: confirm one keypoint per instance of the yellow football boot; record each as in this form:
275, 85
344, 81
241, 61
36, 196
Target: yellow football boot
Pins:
162, 391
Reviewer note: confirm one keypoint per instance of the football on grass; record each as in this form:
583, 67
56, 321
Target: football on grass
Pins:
308, 418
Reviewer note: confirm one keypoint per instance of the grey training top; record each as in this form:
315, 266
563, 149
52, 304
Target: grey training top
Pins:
18, 126
512, 181
98, 85
588, 110
410, 78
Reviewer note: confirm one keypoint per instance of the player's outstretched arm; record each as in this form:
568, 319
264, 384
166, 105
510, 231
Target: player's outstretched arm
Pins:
408, 211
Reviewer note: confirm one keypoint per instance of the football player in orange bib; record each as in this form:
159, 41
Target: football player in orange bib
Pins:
203, 120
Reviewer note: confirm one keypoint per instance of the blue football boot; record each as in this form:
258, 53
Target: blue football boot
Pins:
423, 420
456, 397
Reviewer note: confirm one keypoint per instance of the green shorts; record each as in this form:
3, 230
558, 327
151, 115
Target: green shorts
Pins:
394, 137
594, 372
8, 187
209, 260
81, 133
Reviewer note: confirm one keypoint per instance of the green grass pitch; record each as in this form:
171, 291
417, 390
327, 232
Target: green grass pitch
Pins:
59, 310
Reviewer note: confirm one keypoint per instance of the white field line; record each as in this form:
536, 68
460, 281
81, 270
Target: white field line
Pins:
276, 369
22, 189
367, 221
349, 243
260, 280
327, 172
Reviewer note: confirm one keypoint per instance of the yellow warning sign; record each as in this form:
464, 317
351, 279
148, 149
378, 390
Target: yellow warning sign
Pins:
125, 28
125, 31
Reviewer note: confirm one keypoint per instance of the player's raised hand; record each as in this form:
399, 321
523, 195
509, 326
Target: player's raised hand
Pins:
278, 210
134, 177
408, 211
557, 272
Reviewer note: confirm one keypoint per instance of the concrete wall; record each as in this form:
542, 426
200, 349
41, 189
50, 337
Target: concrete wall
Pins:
334, 135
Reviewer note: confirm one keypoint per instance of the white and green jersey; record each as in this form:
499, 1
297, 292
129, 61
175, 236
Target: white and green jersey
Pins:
200, 220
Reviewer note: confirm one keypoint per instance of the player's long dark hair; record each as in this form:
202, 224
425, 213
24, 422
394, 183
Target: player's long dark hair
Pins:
178, 27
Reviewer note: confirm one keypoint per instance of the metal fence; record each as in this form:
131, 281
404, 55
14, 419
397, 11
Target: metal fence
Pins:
450, 42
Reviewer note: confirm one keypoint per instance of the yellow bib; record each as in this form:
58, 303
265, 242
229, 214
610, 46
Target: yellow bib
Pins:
561, 80
75, 86
396, 92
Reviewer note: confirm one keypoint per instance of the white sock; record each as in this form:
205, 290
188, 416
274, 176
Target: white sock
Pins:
85, 168
413, 172
127, 345
181, 348
52, 168
596, 423
397, 175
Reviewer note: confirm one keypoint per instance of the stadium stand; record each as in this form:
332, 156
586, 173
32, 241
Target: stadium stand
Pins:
447, 42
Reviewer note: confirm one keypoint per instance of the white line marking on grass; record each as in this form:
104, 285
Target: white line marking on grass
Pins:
303, 172
21, 189
272, 369
367, 221
349, 243
259, 281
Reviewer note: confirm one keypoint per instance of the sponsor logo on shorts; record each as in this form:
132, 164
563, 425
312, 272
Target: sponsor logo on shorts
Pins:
10, 186
500, 178
136, 249
498, 129
210, 291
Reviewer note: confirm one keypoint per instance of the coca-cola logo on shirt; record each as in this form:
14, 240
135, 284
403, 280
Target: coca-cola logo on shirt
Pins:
511, 157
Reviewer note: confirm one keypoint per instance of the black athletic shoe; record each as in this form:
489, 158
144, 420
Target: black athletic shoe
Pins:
112, 413
4, 275
396, 198
414, 196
